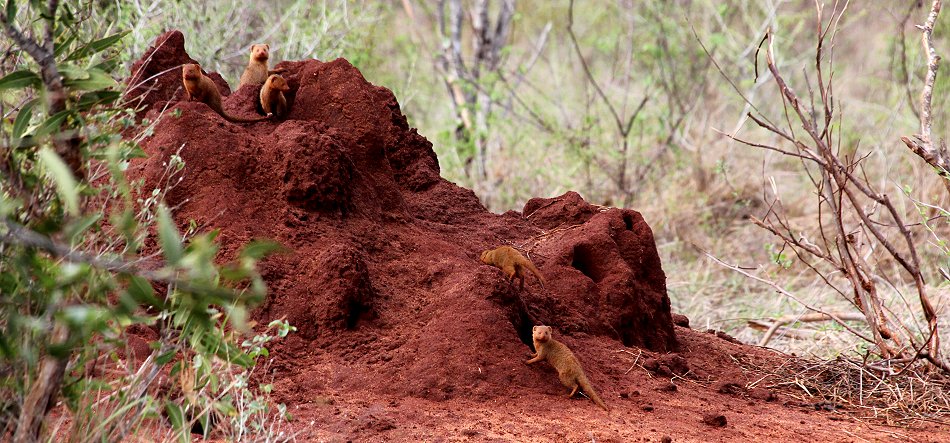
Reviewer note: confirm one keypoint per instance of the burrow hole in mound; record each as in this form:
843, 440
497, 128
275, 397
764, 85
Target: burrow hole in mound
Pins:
356, 311
585, 260
628, 221
524, 325
517, 312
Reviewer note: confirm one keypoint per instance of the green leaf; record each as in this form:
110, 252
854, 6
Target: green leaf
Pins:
177, 417
163, 359
205, 429
258, 249
20, 79
51, 124
86, 79
90, 317
97, 46
11, 10
63, 45
66, 185
128, 304
93, 98
141, 290
73, 73
23, 118
168, 236
80, 225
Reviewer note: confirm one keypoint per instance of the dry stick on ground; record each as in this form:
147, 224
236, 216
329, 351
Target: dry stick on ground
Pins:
875, 396
923, 144
845, 195
773, 326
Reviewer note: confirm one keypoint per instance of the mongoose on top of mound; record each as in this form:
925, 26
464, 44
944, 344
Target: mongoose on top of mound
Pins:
511, 262
199, 87
568, 368
256, 71
272, 96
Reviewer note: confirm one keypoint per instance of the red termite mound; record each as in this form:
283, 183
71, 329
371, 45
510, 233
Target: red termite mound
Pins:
382, 278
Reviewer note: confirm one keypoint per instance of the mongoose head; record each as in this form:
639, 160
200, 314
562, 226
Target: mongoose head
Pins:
541, 333
191, 71
277, 82
486, 256
260, 52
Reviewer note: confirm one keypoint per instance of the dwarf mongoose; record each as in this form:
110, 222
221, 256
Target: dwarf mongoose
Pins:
272, 96
568, 368
199, 87
256, 71
511, 262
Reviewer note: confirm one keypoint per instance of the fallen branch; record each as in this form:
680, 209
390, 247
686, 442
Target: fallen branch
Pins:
786, 293
774, 325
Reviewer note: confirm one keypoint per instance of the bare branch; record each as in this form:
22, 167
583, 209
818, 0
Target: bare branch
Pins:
21, 236
786, 293
43, 54
923, 144
623, 128
773, 326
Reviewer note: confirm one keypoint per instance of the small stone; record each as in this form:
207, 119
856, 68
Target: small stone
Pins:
680, 320
714, 419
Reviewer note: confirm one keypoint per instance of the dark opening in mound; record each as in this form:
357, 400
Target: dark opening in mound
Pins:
508, 297
628, 221
585, 261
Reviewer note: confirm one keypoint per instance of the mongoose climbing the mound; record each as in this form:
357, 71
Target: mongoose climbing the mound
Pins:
272, 96
256, 71
511, 262
568, 368
199, 87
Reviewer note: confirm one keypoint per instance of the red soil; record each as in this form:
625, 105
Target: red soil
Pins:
403, 334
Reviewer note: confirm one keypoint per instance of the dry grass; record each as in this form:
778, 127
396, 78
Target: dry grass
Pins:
918, 395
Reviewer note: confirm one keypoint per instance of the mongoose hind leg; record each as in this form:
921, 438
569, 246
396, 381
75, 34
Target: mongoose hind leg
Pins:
573, 391
510, 272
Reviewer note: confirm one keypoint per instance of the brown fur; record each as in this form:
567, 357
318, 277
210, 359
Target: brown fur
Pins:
200, 88
256, 71
563, 360
272, 96
511, 262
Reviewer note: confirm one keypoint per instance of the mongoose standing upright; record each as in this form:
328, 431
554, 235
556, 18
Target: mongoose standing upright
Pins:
199, 87
568, 368
272, 96
256, 71
511, 262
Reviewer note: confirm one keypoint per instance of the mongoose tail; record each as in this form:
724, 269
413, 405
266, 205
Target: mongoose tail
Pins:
534, 271
590, 392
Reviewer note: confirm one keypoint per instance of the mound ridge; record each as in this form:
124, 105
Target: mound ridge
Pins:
382, 278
